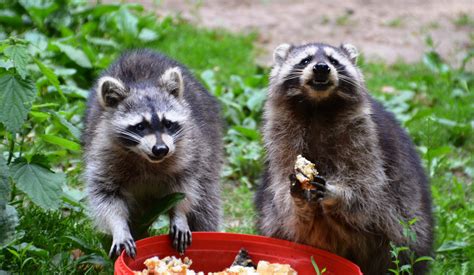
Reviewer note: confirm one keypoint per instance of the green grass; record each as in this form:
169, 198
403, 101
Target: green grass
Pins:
434, 102
200, 49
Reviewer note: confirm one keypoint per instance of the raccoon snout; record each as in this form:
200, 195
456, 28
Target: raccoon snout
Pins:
321, 72
160, 151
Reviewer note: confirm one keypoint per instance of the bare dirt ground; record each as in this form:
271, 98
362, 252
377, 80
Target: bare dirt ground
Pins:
386, 30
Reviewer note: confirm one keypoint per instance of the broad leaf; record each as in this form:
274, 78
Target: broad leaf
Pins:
162, 206
127, 23
8, 223
16, 97
10, 17
71, 145
75, 54
38, 42
52, 78
451, 245
19, 55
69, 126
147, 35
6, 63
40, 184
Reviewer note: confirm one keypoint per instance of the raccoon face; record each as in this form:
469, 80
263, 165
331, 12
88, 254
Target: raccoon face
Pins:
149, 119
316, 70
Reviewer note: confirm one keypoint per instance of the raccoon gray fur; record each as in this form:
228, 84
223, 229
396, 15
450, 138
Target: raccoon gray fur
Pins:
371, 176
151, 129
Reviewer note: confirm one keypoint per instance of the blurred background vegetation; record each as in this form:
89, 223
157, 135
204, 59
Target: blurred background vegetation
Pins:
52, 50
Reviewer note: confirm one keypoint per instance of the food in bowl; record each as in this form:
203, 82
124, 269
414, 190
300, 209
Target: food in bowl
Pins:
242, 265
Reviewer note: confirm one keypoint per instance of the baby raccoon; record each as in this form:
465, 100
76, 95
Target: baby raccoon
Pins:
151, 130
370, 176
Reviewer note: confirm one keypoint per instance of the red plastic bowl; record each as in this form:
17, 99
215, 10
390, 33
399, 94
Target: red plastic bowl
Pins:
214, 251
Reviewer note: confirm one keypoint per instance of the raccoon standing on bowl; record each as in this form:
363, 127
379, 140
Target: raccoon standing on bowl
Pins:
371, 177
151, 129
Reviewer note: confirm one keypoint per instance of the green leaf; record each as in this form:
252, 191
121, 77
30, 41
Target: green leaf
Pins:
38, 42
71, 128
255, 102
147, 35
316, 268
102, 42
7, 64
52, 78
127, 23
42, 185
4, 183
75, 54
424, 258
163, 205
10, 17
404, 268
250, 133
39, 10
16, 97
19, 55
451, 246
71, 145
8, 223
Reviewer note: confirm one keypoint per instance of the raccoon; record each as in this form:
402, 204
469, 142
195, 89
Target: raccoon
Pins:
370, 176
151, 129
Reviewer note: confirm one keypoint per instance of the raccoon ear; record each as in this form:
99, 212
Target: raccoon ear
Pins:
172, 80
280, 53
110, 91
351, 51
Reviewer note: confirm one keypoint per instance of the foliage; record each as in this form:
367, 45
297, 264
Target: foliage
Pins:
242, 101
316, 268
398, 252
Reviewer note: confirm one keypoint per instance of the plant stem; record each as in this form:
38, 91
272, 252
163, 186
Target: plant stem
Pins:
12, 147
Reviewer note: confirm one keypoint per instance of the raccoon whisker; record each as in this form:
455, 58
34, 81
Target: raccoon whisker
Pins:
128, 137
291, 76
350, 81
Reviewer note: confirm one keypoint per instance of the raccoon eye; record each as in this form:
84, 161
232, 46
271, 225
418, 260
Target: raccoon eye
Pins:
140, 126
168, 124
305, 61
333, 60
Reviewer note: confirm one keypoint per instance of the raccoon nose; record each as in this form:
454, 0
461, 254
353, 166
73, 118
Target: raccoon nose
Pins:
160, 151
321, 68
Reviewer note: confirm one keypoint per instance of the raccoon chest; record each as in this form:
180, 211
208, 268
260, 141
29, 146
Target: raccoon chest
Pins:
328, 149
329, 235
143, 188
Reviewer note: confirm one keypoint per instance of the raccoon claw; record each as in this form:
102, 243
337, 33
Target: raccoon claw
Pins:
128, 245
181, 238
309, 195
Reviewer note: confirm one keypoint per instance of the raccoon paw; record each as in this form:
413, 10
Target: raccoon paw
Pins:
181, 236
127, 244
314, 194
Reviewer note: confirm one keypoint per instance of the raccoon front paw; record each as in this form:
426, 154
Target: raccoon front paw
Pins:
315, 192
127, 244
181, 236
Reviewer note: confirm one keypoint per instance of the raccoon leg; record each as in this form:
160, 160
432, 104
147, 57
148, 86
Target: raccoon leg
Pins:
179, 230
111, 213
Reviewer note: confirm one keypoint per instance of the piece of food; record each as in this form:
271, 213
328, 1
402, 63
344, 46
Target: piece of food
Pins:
175, 266
167, 266
305, 172
266, 268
